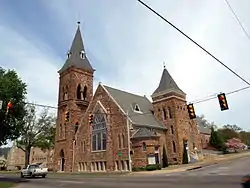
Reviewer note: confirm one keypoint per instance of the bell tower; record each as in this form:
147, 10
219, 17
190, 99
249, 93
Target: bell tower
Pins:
75, 93
169, 103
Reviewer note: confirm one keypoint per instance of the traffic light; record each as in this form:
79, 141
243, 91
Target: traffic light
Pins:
66, 116
191, 111
91, 118
223, 101
9, 105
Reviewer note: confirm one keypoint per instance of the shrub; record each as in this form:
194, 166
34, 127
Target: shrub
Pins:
153, 167
136, 169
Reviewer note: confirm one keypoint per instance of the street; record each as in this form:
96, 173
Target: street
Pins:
224, 175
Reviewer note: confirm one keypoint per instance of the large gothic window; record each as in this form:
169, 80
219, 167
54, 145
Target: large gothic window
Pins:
99, 132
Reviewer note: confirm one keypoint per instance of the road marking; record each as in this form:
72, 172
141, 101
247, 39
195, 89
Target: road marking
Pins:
68, 181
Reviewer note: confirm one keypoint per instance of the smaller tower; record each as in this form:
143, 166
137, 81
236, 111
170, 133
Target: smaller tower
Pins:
75, 93
169, 103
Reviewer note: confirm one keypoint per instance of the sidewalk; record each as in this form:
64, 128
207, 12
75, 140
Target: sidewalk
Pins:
186, 167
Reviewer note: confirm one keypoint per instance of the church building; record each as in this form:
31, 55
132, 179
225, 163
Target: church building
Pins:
114, 130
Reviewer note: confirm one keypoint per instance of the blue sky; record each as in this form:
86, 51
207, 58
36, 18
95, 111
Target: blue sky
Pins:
127, 46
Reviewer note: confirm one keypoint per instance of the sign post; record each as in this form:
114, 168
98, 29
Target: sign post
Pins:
119, 155
1, 104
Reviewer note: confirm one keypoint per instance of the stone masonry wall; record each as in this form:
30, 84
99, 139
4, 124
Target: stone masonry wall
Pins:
65, 131
116, 124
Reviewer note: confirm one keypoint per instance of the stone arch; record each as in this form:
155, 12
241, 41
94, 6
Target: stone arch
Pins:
62, 160
78, 92
84, 93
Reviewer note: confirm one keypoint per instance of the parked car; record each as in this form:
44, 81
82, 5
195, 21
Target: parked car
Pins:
246, 181
34, 170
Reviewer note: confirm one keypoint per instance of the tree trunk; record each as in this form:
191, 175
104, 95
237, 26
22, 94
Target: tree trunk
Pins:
27, 156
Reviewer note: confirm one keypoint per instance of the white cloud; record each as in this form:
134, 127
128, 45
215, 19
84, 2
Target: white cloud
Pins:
34, 64
136, 42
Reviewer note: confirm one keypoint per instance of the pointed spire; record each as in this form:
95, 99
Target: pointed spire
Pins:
167, 83
77, 44
77, 55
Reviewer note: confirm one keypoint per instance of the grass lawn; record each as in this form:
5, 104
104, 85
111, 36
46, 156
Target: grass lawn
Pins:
6, 184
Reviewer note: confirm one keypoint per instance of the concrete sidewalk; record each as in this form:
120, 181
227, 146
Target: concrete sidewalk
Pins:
201, 164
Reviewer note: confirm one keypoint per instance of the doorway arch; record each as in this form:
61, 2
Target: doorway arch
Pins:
62, 160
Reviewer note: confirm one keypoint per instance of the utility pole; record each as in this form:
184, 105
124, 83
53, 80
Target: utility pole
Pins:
129, 147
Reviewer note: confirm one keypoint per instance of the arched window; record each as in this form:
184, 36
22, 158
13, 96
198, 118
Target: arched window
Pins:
60, 131
172, 129
119, 141
68, 54
84, 94
164, 113
144, 146
174, 147
78, 92
99, 132
76, 127
82, 54
170, 113
123, 141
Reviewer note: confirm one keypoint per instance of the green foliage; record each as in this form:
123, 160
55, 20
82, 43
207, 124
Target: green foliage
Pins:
164, 158
185, 154
136, 169
216, 139
13, 89
152, 167
37, 131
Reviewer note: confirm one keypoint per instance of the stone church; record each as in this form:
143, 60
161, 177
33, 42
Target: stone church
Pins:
128, 130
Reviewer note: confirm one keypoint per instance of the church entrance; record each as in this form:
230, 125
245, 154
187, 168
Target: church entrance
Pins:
62, 160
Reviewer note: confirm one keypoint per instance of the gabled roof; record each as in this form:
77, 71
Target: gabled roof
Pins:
167, 83
127, 101
204, 130
75, 59
144, 133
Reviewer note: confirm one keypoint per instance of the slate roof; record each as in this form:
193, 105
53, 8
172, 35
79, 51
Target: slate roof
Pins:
75, 59
167, 83
128, 100
204, 130
144, 132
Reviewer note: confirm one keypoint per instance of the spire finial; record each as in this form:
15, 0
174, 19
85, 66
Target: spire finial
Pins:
164, 64
78, 23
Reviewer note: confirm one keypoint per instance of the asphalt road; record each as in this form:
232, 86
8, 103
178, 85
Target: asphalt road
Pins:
225, 175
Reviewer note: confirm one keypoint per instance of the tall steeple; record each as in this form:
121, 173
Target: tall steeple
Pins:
76, 56
167, 84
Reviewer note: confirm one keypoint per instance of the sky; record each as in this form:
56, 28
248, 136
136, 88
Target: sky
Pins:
127, 45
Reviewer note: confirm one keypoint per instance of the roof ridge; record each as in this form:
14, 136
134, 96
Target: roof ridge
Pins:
126, 92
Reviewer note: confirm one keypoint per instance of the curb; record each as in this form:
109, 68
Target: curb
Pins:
194, 168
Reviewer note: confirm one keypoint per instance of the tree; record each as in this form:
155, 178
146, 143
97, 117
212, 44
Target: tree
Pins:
36, 132
13, 89
245, 137
215, 139
164, 158
228, 133
202, 122
185, 153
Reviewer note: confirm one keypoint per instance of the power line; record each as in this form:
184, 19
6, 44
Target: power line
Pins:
195, 102
240, 77
237, 19
229, 93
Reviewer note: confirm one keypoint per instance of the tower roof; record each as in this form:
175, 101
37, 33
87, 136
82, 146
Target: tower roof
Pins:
167, 83
76, 56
